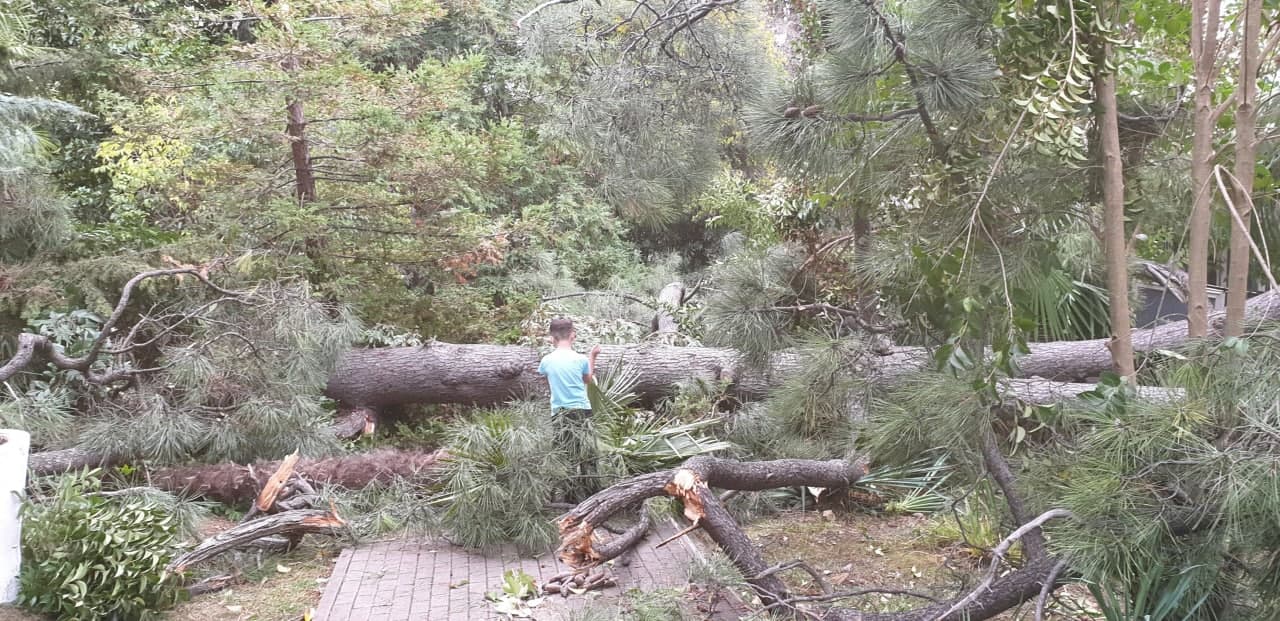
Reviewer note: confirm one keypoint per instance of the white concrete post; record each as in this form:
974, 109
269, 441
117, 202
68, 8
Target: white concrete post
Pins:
14, 445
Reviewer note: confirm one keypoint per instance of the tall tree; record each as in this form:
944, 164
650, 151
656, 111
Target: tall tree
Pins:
1246, 158
1114, 239
1204, 48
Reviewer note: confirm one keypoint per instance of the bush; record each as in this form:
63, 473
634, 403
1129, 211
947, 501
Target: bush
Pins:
87, 555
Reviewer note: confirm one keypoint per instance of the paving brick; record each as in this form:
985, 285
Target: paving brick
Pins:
410, 580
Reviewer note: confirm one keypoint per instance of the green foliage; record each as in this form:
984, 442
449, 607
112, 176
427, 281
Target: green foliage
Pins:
242, 396
502, 470
399, 507
1159, 596
92, 556
742, 313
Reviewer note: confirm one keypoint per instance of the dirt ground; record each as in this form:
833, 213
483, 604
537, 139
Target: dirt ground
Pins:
857, 551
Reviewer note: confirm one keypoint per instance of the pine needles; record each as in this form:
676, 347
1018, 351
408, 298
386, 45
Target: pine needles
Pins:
502, 472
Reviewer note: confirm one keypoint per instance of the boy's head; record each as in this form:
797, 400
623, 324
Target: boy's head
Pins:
561, 330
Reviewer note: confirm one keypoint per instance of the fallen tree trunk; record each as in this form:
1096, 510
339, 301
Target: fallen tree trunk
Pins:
237, 484
234, 484
493, 374
692, 483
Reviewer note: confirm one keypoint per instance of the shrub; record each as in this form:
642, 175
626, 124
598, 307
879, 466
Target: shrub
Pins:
87, 555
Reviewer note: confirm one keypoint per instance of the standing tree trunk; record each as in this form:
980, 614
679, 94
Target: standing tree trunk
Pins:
1116, 241
1246, 159
304, 176
1204, 50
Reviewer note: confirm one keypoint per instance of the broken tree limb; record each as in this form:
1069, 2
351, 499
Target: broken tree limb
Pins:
692, 483
305, 521
577, 528
271, 489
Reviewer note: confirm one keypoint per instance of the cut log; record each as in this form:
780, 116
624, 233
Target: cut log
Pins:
294, 523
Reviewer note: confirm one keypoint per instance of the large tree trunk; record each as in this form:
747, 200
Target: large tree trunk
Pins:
1116, 241
1204, 50
236, 484
494, 374
1246, 159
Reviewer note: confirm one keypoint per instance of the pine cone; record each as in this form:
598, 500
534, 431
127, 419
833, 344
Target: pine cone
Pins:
812, 111
792, 112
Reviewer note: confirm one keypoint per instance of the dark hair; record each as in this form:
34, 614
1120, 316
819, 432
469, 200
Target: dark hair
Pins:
561, 329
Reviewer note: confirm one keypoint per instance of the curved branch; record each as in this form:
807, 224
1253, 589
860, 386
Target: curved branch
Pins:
33, 347
998, 556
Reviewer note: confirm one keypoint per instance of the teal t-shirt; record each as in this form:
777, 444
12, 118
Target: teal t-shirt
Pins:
564, 369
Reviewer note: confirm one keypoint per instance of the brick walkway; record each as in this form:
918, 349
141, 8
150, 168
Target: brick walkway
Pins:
435, 581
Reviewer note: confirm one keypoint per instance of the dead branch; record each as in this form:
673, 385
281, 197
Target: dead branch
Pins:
998, 557
293, 523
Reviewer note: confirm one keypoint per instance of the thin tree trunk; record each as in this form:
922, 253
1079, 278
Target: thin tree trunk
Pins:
304, 176
1246, 159
1115, 238
1204, 50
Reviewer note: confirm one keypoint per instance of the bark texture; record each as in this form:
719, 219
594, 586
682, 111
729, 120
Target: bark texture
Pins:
1204, 50
1246, 159
1115, 240
669, 301
290, 523
234, 484
494, 374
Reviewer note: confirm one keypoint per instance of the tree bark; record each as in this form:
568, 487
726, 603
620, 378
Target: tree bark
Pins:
304, 187
1115, 239
1204, 51
294, 523
669, 301
234, 484
495, 374
691, 483
1246, 159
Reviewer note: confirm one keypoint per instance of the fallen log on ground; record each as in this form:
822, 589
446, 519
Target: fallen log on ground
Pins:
692, 483
495, 374
291, 523
492, 374
235, 484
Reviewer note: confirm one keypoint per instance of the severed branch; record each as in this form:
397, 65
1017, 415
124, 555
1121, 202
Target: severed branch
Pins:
294, 523
691, 483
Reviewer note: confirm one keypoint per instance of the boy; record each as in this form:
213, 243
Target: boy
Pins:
568, 373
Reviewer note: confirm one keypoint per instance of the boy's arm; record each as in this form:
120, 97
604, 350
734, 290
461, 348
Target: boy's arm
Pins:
590, 377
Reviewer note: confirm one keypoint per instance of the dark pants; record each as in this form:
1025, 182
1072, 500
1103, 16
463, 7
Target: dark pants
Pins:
576, 438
